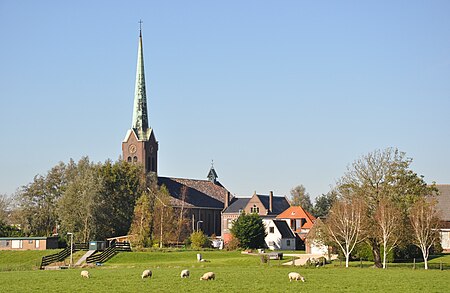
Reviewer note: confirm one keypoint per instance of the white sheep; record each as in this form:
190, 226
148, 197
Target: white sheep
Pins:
184, 274
208, 276
85, 274
295, 276
146, 274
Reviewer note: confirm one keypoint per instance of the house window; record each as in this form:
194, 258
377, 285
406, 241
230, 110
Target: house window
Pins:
230, 223
30, 241
288, 242
254, 209
37, 244
303, 221
271, 230
293, 225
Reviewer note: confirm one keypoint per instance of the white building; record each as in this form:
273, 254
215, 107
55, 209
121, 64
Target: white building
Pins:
279, 235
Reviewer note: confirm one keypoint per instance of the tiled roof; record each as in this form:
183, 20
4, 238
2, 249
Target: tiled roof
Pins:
284, 229
199, 193
297, 212
279, 203
444, 201
237, 204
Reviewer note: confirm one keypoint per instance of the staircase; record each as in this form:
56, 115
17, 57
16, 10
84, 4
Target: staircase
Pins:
62, 255
109, 252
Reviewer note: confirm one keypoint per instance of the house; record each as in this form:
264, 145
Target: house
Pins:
28, 243
266, 206
443, 207
280, 236
298, 219
312, 243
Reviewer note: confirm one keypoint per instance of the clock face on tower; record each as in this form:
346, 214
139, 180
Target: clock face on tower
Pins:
132, 149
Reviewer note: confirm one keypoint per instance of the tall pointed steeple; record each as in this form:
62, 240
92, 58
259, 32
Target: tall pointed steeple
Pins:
140, 117
140, 145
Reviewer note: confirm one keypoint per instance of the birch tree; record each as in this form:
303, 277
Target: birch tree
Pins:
388, 219
425, 223
345, 225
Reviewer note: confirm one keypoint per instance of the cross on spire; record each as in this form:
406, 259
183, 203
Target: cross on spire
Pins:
140, 27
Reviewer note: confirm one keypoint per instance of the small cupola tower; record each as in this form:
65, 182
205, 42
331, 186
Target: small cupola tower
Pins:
212, 175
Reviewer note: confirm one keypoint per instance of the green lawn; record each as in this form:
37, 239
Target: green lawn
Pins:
234, 273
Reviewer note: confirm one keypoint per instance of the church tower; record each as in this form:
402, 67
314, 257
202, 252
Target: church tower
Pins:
140, 145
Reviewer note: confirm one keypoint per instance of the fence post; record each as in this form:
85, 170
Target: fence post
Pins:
414, 263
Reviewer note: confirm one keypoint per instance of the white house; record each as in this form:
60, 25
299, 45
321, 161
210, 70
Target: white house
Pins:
444, 208
279, 235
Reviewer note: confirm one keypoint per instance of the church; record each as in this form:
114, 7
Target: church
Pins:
203, 199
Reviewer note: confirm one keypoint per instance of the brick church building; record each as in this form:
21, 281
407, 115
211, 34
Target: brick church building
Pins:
204, 199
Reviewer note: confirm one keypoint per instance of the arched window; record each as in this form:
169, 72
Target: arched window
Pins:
129, 159
135, 159
254, 209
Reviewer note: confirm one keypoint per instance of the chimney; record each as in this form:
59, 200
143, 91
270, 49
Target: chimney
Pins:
227, 200
271, 202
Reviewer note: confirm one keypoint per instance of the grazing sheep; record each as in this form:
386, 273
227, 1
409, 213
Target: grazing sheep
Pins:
208, 276
146, 274
295, 276
85, 274
184, 274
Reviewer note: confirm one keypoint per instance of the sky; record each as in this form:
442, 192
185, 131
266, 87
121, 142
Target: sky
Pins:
277, 93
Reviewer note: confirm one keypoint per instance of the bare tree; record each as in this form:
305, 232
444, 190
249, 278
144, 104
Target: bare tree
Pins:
388, 219
425, 223
345, 225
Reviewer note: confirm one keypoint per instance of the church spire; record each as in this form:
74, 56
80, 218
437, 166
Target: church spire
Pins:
140, 117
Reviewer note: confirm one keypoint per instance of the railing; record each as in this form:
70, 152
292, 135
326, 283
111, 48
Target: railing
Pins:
60, 256
109, 252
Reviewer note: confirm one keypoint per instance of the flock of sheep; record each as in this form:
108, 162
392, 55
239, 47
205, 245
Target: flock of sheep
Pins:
206, 276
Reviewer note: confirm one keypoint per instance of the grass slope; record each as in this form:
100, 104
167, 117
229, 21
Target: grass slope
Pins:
234, 273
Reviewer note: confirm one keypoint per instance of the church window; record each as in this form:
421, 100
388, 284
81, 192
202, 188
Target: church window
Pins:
129, 159
254, 209
135, 159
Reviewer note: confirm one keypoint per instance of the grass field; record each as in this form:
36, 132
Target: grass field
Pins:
234, 273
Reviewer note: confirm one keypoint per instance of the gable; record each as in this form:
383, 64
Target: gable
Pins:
443, 199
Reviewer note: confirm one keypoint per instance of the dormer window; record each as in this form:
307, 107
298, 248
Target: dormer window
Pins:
254, 209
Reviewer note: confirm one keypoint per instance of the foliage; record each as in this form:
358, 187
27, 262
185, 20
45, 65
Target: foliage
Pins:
9, 231
299, 197
164, 220
233, 244
199, 240
383, 173
141, 225
323, 204
5, 202
249, 229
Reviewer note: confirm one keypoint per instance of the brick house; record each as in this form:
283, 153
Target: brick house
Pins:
266, 206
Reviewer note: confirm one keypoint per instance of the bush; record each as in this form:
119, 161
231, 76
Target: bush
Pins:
233, 244
199, 240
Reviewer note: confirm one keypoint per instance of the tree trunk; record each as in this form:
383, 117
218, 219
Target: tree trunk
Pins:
376, 252
347, 257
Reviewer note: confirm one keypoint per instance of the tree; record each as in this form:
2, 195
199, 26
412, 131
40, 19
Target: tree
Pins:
199, 240
380, 174
141, 226
4, 207
388, 219
324, 203
345, 225
425, 223
164, 220
37, 202
299, 197
249, 229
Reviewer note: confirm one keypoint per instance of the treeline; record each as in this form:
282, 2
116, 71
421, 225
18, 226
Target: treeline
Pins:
94, 201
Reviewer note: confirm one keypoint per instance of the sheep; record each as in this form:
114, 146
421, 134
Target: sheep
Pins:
85, 274
184, 274
208, 276
146, 274
295, 276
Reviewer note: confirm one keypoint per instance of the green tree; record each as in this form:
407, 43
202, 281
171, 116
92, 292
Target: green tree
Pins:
37, 202
142, 222
383, 173
299, 197
323, 204
199, 240
249, 229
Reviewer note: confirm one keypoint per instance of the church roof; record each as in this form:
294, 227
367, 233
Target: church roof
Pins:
198, 193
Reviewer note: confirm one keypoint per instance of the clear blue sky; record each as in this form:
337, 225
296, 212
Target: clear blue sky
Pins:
277, 93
